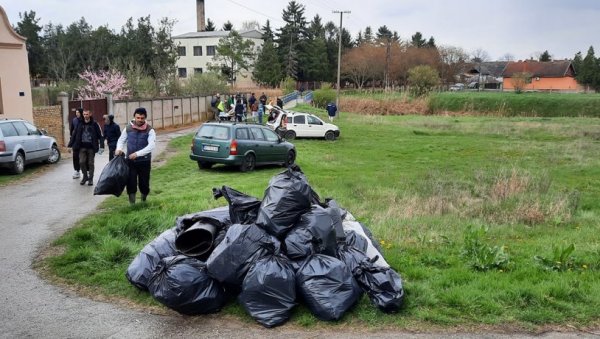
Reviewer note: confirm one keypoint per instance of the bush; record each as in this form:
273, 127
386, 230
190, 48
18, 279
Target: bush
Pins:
323, 96
422, 80
288, 85
205, 84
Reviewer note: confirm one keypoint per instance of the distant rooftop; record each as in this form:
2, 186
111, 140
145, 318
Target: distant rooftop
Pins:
219, 34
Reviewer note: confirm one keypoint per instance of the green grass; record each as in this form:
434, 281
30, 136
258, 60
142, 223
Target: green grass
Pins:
512, 104
462, 206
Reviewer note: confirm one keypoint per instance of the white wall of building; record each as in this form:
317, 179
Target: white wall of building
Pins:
203, 40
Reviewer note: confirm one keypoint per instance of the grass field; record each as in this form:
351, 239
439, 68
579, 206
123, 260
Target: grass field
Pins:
512, 104
490, 221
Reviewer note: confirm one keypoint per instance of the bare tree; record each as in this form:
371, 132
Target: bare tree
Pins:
357, 63
452, 59
480, 55
507, 57
520, 80
250, 25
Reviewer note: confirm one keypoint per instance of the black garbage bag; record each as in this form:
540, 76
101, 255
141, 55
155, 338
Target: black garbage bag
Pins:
286, 198
319, 223
373, 250
382, 285
350, 256
327, 287
196, 232
269, 290
113, 178
140, 270
337, 215
183, 284
299, 244
356, 241
243, 209
243, 245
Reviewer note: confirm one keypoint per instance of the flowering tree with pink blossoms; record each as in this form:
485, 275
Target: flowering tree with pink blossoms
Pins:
102, 81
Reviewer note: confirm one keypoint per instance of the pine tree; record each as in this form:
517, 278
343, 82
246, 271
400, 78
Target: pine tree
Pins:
29, 28
267, 69
544, 57
210, 26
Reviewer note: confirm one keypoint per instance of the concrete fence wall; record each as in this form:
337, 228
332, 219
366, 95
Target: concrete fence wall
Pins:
165, 112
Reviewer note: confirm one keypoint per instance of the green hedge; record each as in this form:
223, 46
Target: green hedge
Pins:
512, 104
322, 97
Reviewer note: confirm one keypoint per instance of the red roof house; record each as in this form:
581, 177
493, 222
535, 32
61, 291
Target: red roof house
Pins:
545, 76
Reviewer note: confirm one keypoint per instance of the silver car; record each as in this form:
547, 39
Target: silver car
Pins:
22, 143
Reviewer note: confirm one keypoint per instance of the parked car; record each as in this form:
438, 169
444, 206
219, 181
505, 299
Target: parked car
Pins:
457, 87
302, 125
240, 144
22, 143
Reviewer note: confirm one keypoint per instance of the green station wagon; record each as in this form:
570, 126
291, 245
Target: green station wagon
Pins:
240, 144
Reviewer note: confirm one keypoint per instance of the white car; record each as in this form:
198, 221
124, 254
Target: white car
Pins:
302, 125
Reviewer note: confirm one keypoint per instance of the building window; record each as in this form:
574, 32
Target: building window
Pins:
197, 50
181, 51
211, 50
182, 72
197, 70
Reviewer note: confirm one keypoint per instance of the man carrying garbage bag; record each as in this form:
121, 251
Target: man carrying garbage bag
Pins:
138, 138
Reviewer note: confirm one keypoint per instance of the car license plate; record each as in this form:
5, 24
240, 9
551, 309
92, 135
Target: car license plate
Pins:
210, 148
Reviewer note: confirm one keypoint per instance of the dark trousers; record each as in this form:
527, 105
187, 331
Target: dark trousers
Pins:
76, 165
111, 152
86, 161
139, 173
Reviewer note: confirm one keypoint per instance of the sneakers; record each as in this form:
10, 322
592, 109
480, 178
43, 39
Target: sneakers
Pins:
76, 175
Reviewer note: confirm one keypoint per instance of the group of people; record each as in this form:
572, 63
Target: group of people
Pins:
243, 108
136, 141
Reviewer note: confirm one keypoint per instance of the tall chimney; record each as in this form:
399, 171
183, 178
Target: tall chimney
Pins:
200, 15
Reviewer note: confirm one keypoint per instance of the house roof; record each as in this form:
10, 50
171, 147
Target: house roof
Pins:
493, 68
219, 34
545, 69
4, 21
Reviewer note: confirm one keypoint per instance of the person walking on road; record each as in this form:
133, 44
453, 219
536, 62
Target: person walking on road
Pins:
74, 123
87, 139
112, 132
138, 139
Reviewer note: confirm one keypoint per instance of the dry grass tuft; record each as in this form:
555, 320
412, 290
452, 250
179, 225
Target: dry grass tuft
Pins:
384, 107
509, 186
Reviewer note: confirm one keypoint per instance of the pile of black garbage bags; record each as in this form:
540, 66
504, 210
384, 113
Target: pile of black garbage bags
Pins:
288, 248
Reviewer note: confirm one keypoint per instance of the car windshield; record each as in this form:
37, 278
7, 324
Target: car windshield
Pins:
214, 132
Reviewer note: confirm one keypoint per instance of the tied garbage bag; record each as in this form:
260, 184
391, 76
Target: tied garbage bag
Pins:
183, 284
382, 285
141, 268
113, 178
217, 216
286, 198
243, 245
372, 250
314, 233
356, 241
327, 287
351, 256
243, 209
269, 290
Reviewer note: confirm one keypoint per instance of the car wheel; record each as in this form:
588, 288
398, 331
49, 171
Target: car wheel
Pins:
204, 165
291, 158
249, 163
330, 136
290, 135
54, 155
19, 164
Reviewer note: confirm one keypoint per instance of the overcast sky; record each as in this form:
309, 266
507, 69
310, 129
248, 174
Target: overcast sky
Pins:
522, 28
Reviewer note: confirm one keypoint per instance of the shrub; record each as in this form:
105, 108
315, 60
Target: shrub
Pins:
288, 85
205, 83
422, 80
481, 256
323, 96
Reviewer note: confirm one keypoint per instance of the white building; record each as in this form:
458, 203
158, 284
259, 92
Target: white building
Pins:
197, 49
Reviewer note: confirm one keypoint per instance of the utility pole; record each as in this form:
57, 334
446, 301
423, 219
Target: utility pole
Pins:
337, 94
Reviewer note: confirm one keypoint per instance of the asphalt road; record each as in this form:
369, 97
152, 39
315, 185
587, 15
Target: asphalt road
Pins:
37, 210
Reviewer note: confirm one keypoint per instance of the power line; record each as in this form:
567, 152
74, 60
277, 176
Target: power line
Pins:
255, 11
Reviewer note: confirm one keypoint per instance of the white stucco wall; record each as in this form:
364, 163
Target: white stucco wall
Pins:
204, 39
15, 88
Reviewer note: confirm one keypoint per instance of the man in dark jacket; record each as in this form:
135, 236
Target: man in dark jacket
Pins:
112, 132
138, 139
87, 138
72, 127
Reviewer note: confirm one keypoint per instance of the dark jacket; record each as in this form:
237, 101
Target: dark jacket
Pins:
112, 132
96, 135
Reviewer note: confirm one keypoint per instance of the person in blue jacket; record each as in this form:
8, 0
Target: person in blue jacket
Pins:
331, 110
